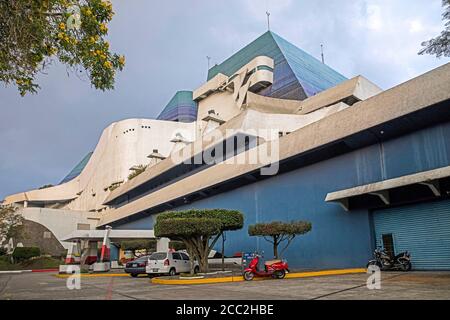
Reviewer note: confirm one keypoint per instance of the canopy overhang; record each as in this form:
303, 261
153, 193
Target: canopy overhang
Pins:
114, 235
431, 180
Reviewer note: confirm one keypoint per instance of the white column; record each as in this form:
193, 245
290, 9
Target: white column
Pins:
162, 244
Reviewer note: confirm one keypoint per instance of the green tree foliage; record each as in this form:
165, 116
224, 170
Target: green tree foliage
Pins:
137, 170
35, 33
440, 46
11, 223
198, 229
277, 232
46, 186
177, 245
25, 253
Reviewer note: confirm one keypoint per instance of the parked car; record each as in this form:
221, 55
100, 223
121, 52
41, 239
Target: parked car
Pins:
169, 263
137, 266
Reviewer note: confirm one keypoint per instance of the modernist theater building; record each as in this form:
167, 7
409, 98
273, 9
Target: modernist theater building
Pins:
366, 167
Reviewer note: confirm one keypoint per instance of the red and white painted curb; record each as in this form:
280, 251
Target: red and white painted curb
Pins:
27, 271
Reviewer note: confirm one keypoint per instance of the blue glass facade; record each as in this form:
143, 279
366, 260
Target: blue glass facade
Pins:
297, 75
75, 172
180, 108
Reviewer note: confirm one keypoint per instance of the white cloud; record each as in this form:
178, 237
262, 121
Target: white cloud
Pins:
374, 18
415, 26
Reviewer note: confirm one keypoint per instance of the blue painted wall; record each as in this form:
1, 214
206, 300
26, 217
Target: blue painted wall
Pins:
338, 239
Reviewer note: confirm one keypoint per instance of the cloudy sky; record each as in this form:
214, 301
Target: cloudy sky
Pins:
166, 43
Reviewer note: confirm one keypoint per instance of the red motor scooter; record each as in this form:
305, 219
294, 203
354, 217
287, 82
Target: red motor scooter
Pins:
275, 268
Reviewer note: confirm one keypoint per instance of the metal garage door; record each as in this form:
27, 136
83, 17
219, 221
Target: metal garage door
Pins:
422, 229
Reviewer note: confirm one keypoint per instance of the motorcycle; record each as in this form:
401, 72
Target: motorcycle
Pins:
276, 269
386, 262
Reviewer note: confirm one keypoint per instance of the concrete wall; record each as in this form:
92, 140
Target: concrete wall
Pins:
122, 145
338, 239
60, 222
36, 235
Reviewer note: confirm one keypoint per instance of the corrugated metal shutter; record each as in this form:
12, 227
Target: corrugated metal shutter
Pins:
422, 229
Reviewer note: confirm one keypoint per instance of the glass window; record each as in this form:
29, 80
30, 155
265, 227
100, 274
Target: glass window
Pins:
142, 259
264, 68
158, 256
184, 256
176, 256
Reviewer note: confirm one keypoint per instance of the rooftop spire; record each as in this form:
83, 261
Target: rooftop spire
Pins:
268, 20
323, 57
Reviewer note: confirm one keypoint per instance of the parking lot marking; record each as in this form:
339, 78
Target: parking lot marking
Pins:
109, 292
294, 275
352, 288
89, 275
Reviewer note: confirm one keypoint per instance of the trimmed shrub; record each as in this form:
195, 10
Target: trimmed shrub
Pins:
3, 251
196, 228
25, 253
229, 220
277, 232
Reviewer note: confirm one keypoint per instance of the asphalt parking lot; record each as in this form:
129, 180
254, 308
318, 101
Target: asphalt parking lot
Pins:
413, 285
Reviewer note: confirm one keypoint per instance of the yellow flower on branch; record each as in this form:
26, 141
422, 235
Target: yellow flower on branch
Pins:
103, 28
108, 64
62, 26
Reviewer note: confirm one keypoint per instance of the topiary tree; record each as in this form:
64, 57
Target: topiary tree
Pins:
198, 229
277, 232
177, 245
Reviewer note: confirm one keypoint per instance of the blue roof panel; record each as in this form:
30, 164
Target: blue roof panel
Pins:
180, 108
297, 75
78, 169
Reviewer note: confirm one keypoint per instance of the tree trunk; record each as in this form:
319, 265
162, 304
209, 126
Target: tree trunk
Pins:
223, 251
275, 247
191, 252
204, 263
206, 250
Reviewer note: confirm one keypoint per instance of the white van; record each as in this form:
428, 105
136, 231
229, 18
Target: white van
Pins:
169, 263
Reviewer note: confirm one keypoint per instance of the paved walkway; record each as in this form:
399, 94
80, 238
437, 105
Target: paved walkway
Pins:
414, 285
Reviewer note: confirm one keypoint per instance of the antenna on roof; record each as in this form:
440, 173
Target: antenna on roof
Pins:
323, 57
268, 20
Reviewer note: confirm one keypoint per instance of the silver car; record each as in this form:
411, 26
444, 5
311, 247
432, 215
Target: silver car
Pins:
169, 263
